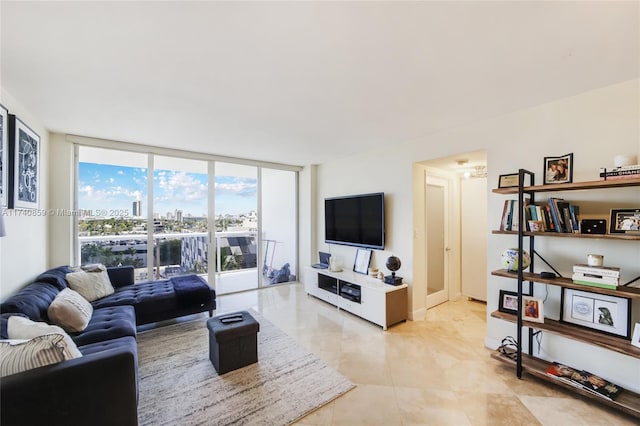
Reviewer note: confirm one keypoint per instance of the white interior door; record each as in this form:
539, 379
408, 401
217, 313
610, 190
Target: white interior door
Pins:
437, 225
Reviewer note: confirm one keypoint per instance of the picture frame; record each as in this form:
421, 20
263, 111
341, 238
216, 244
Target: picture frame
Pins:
532, 309
635, 339
509, 181
361, 263
4, 156
622, 221
599, 312
558, 169
508, 302
25, 146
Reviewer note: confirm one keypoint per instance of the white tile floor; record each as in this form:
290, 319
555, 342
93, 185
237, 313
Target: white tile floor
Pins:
431, 372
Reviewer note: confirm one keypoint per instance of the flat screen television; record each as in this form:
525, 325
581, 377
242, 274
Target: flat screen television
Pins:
355, 220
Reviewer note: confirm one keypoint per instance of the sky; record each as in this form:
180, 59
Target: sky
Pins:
115, 188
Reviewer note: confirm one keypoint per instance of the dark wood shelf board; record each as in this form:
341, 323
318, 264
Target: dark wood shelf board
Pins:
627, 401
580, 334
629, 237
596, 184
621, 291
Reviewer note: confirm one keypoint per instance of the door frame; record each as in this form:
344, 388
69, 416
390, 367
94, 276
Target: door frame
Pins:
440, 296
418, 291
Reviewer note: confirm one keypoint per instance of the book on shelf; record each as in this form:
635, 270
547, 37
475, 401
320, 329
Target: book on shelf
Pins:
619, 177
603, 271
555, 216
596, 385
620, 171
595, 281
584, 380
562, 373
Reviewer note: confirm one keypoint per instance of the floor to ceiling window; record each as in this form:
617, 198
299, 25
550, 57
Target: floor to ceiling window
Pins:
112, 196
236, 234
233, 224
278, 223
180, 217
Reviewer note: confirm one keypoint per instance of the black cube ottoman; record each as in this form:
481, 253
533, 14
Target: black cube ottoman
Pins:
233, 341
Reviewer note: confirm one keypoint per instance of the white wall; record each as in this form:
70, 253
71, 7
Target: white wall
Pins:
594, 126
23, 252
473, 217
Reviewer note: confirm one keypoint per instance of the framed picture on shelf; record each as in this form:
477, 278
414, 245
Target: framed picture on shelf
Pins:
508, 302
532, 309
509, 181
26, 165
601, 312
635, 339
558, 169
624, 220
361, 264
4, 157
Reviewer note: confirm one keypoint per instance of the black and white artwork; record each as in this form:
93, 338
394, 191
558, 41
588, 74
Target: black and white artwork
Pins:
4, 157
26, 171
609, 314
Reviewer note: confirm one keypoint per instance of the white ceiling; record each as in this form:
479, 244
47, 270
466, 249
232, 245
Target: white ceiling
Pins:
301, 82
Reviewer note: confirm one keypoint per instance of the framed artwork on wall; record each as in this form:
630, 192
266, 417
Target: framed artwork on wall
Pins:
25, 144
4, 157
601, 312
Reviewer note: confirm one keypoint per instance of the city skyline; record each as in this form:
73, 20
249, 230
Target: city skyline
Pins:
103, 187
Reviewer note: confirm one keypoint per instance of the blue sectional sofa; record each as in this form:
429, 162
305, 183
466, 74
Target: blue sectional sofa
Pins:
101, 387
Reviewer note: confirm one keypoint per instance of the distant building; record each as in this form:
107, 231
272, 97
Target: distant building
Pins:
179, 216
137, 208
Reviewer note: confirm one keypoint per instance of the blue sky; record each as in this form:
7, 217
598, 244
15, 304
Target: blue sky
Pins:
116, 188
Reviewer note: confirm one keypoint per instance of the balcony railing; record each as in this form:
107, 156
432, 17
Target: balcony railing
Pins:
173, 253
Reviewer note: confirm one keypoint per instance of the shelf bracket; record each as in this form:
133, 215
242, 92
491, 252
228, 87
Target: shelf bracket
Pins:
632, 281
554, 269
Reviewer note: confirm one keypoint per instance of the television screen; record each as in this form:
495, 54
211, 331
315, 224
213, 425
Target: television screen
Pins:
356, 220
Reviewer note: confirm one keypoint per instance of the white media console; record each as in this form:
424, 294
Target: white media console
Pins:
368, 297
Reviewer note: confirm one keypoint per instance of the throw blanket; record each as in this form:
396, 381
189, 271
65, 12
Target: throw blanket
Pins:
191, 289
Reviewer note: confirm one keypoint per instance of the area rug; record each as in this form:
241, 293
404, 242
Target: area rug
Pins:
179, 386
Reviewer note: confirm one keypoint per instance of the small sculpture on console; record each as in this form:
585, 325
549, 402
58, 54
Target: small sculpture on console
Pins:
393, 264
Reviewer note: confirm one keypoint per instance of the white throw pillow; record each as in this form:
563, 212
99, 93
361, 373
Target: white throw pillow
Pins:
92, 285
21, 355
70, 311
24, 328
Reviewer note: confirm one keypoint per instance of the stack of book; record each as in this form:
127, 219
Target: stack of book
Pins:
596, 276
624, 172
584, 380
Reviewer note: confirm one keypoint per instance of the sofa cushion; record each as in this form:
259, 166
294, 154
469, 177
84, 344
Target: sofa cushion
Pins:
92, 285
55, 276
108, 323
4, 319
21, 355
23, 328
70, 311
156, 296
33, 301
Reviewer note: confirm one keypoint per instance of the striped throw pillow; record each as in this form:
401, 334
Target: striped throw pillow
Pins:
21, 355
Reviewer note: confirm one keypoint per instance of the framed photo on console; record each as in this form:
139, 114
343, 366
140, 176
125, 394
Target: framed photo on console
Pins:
361, 264
601, 312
